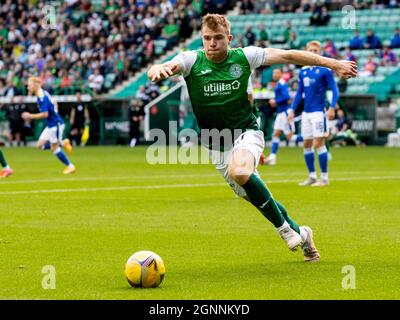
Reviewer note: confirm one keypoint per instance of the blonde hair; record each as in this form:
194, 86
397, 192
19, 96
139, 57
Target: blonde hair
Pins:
313, 43
213, 21
34, 80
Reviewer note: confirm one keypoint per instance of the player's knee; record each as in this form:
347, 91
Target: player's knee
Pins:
239, 174
319, 142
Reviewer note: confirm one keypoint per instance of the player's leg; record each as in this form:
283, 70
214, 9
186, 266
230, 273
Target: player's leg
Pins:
319, 144
66, 143
307, 132
6, 171
55, 140
271, 160
278, 129
319, 133
43, 142
242, 170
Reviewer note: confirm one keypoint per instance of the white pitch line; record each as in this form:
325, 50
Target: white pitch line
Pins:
171, 186
265, 175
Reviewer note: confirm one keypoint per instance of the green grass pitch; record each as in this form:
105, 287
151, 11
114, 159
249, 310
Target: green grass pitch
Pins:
214, 245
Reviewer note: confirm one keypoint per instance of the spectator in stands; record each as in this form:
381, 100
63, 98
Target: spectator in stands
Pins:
250, 36
185, 25
96, 81
369, 67
357, 41
330, 49
247, 7
371, 41
170, 32
287, 31
66, 80
264, 37
294, 42
395, 40
388, 57
320, 16
147, 49
348, 55
263, 6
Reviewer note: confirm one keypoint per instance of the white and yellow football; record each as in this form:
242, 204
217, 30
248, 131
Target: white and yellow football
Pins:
145, 269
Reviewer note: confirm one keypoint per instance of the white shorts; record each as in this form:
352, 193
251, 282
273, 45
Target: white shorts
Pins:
253, 141
313, 125
281, 123
53, 134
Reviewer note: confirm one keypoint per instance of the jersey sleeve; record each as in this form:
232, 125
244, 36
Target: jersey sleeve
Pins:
255, 56
186, 60
299, 93
333, 86
44, 104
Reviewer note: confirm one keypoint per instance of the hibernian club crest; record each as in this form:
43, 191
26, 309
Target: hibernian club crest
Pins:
235, 70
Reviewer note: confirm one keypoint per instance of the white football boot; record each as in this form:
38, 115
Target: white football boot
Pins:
308, 248
291, 237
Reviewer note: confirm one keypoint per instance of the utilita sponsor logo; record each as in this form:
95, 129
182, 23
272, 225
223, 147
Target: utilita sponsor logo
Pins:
221, 88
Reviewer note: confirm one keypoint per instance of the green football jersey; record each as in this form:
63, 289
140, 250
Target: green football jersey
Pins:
218, 92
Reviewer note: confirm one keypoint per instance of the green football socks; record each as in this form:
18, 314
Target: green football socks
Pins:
259, 195
262, 199
292, 224
2, 160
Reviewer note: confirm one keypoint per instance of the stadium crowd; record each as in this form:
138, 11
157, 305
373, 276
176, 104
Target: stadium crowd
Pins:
317, 8
87, 44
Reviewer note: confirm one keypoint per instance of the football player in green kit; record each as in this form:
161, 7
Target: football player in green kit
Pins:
217, 78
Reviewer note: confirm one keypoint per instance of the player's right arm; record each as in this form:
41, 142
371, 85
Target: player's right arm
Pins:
159, 72
180, 64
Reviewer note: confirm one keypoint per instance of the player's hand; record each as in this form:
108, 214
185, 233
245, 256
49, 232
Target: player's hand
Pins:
330, 114
26, 115
290, 115
272, 103
346, 69
163, 71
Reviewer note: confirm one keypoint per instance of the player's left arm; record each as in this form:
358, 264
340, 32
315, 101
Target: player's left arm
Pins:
345, 69
43, 114
34, 116
335, 94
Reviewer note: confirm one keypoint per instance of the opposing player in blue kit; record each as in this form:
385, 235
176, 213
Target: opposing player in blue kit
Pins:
281, 125
51, 137
314, 81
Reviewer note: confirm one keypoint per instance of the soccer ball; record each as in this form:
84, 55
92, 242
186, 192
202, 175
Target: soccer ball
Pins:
144, 269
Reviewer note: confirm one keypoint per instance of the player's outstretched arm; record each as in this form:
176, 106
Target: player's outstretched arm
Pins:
34, 116
344, 69
159, 72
